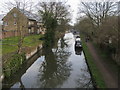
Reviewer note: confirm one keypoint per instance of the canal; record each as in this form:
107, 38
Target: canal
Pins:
60, 67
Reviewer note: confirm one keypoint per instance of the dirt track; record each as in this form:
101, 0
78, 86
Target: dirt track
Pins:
110, 77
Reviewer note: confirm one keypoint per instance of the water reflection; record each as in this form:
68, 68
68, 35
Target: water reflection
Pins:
78, 51
55, 69
84, 80
59, 67
21, 84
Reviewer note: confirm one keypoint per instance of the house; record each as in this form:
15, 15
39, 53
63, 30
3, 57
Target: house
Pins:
1, 25
21, 22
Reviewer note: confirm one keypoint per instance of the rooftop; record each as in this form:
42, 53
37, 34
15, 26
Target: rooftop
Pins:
30, 15
1, 17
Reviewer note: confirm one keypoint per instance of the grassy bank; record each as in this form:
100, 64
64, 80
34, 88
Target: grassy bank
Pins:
12, 61
10, 44
96, 75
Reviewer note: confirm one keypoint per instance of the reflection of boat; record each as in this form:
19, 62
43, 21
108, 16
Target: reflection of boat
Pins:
78, 51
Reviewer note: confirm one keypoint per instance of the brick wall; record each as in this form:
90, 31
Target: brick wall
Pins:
6, 34
13, 23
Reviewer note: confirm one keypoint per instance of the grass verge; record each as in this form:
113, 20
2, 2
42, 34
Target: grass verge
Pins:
95, 73
10, 44
13, 63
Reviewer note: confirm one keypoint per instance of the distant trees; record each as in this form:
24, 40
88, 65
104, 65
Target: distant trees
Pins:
101, 24
97, 12
85, 26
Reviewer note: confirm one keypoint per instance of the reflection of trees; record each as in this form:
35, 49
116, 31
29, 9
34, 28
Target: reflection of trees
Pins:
63, 43
55, 69
21, 84
85, 80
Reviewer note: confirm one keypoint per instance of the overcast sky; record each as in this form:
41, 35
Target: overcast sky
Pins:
73, 3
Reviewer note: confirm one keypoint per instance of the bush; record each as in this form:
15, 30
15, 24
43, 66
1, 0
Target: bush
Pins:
14, 64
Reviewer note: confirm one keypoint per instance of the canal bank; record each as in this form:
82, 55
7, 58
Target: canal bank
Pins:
11, 61
95, 73
60, 67
8, 82
17, 60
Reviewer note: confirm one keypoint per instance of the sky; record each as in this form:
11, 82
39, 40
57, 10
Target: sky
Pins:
73, 3
74, 6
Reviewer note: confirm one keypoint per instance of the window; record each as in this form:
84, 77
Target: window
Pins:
29, 23
15, 15
15, 23
5, 23
29, 30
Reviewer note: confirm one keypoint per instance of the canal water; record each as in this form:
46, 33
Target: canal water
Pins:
60, 67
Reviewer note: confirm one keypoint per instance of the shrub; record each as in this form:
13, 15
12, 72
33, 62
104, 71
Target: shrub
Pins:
14, 64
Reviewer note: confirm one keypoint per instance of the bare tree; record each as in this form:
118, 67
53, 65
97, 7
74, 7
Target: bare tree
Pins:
98, 11
60, 10
104, 17
22, 4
